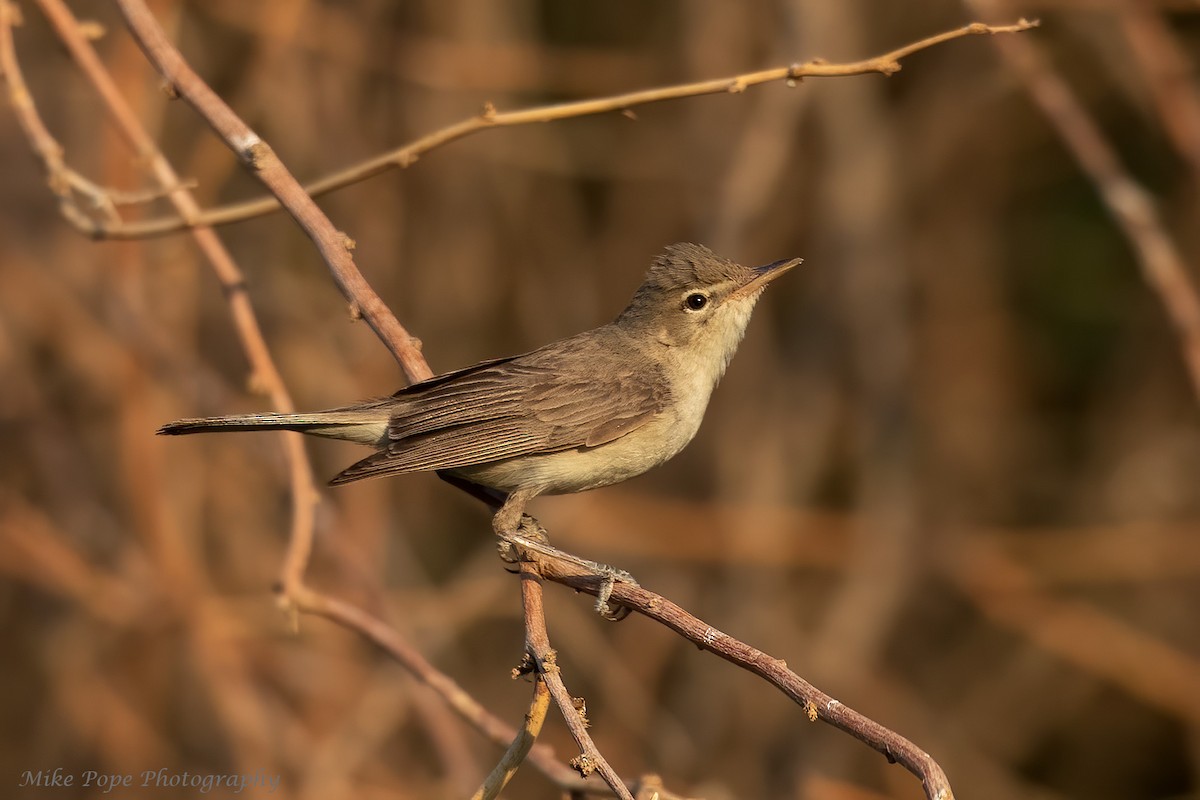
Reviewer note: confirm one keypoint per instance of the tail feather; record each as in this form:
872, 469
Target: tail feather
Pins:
350, 425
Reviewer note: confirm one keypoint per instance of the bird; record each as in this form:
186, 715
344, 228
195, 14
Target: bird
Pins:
579, 413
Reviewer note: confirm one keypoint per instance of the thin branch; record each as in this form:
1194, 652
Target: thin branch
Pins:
63, 181
816, 704
537, 642
405, 156
1130, 204
503, 772
257, 156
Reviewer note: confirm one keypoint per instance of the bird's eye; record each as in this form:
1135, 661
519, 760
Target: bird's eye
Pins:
696, 301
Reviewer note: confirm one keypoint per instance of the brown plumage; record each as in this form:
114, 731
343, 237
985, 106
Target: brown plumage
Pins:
582, 412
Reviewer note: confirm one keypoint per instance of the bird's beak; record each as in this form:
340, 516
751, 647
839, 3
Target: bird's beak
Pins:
764, 275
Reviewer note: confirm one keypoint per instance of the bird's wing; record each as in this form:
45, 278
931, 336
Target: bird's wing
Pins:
580, 392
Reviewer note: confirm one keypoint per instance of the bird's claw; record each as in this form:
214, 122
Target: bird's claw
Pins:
609, 577
530, 540
528, 531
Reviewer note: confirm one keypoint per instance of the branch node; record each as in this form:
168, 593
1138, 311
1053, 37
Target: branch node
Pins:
355, 311
549, 662
581, 706
810, 711
489, 112
584, 764
170, 90
252, 150
348, 241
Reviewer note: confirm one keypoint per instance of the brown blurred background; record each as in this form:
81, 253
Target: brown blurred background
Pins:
952, 476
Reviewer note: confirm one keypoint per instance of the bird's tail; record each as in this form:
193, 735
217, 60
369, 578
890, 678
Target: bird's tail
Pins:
362, 425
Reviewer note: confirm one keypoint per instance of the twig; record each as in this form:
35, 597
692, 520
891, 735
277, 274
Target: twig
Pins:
405, 156
1131, 205
537, 641
262, 162
499, 777
62, 180
816, 704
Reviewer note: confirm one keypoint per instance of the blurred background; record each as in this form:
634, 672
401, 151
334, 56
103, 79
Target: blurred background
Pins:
951, 477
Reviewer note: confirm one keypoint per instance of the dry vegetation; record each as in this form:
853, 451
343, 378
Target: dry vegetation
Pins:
953, 476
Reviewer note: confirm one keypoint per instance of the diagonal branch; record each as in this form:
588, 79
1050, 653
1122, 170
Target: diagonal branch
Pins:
386, 638
333, 245
516, 753
405, 156
817, 705
1131, 206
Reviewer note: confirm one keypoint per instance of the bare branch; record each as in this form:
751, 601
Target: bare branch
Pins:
816, 704
1130, 204
537, 640
499, 777
257, 156
405, 156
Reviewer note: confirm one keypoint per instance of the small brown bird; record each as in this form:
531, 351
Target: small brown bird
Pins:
583, 412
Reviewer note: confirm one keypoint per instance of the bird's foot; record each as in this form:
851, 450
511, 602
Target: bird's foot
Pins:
530, 541
528, 533
609, 578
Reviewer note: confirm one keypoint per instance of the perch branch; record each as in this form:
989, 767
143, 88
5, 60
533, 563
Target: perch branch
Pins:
816, 704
